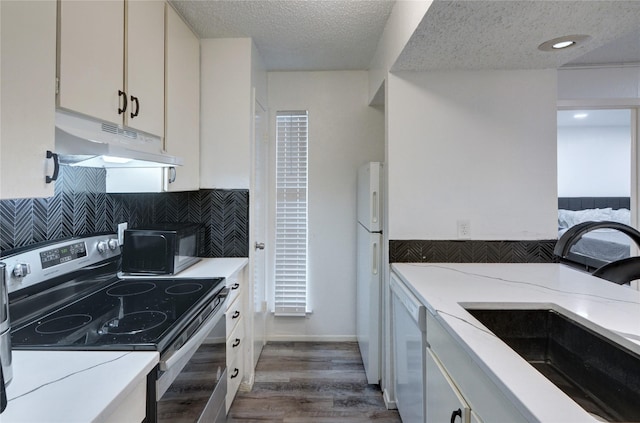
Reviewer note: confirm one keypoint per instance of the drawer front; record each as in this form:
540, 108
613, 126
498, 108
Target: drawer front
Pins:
235, 287
235, 343
233, 315
235, 373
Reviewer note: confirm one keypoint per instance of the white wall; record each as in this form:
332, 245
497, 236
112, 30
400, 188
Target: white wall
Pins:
258, 76
343, 134
405, 17
479, 146
600, 83
594, 161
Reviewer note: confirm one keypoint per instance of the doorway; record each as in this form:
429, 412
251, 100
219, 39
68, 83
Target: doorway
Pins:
258, 217
594, 153
597, 177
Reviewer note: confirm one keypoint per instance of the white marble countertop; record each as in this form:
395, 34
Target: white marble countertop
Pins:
87, 386
73, 386
206, 268
447, 288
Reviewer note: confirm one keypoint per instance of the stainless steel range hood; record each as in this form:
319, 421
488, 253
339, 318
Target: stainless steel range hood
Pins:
86, 142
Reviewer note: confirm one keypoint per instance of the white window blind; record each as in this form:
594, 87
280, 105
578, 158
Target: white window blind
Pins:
291, 213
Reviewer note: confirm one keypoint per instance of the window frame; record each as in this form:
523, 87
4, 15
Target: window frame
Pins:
291, 232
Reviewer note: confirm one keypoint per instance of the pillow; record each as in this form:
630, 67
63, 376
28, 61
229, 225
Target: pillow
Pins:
569, 218
621, 216
564, 218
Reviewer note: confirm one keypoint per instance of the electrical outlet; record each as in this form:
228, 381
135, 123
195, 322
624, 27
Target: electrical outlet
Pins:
464, 229
121, 228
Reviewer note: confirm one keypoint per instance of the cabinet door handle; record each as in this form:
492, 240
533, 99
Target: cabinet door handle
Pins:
135, 100
235, 286
172, 175
236, 343
456, 413
123, 96
56, 167
236, 314
235, 373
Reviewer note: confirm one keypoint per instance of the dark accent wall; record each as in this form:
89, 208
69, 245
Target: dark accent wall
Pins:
471, 251
81, 206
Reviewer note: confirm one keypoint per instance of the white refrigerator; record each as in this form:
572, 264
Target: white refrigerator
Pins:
369, 268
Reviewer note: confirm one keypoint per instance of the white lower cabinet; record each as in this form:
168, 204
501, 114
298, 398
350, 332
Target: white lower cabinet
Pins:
450, 369
435, 379
444, 403
235, 361
236, 344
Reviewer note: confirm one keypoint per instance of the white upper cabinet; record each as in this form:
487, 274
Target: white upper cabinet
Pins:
182, 119
111, 71
91, 57
144, 79
226, 113
28, 49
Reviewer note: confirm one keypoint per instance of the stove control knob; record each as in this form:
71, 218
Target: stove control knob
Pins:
21, 270
113, 244
102, 247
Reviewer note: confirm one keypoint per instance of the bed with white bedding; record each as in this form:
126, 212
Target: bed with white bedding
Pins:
604, 245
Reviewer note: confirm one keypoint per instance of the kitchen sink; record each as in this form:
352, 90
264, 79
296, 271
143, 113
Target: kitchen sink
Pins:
600, 375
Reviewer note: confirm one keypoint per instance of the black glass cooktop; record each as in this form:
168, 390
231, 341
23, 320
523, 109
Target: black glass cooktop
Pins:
129, 314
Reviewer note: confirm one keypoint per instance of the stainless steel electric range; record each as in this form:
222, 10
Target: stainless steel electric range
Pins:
68, 296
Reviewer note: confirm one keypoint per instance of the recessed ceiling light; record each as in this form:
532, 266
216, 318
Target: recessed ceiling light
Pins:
580, 115
564, 42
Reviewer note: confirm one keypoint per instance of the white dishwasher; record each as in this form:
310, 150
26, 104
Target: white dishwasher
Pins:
409, 350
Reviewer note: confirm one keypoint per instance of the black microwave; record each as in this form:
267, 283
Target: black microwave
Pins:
160, 249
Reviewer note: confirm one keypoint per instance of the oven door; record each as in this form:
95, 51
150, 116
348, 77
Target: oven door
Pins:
192, 384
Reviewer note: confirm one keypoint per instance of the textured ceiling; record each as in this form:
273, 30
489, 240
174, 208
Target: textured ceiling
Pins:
506, 34
462, 34
623, 50
295, 34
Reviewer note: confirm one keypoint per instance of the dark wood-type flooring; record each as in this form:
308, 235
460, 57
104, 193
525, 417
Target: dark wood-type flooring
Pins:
305, 382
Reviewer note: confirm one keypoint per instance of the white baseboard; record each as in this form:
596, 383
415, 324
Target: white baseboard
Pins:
247, 383
391, 404
311, 338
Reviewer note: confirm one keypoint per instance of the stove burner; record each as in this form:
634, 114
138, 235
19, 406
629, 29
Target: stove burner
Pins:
132, 323
131, 288
183, 289
63, 324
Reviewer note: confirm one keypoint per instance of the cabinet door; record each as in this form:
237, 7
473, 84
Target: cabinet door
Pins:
182, 126
91, 57
28, 33
144, 77
443, 401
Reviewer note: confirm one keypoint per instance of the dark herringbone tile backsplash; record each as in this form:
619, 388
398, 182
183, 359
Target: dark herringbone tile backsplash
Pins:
471, 251
81, 206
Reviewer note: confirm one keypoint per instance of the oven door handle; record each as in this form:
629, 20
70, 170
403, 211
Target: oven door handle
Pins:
196, 339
